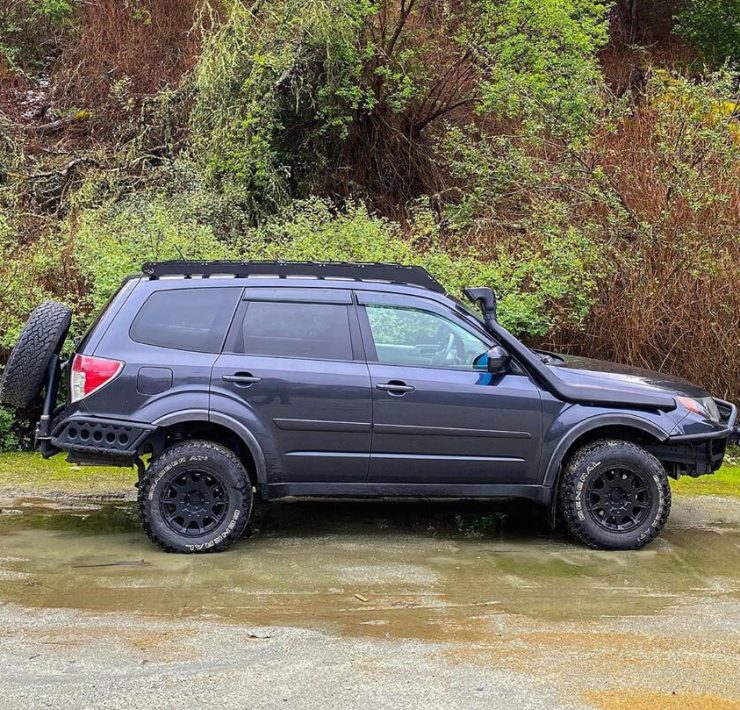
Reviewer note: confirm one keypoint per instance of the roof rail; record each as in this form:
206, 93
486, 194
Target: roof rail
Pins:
355, 271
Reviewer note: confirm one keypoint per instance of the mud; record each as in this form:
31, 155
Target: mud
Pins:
487, 590
416, 570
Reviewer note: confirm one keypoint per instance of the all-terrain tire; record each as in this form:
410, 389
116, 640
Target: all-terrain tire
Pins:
614, 495
41, 337
185, 480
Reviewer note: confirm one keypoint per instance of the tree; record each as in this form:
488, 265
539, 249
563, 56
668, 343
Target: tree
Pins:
714, 27
341, 96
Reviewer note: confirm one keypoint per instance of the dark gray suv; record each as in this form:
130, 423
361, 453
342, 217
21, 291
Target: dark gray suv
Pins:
226, 381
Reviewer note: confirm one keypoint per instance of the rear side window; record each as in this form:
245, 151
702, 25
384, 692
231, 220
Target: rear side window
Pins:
305, 330
186, 319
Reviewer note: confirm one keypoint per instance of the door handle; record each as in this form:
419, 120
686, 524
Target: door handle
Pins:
396, 387
242, 378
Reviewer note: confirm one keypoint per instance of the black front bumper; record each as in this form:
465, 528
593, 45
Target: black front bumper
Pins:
702, 453
732, 422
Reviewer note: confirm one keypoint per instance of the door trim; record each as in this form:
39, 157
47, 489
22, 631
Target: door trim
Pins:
320, 425
405, 429
445, 457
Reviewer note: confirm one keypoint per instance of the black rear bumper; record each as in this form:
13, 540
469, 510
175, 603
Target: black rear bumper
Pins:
95, 440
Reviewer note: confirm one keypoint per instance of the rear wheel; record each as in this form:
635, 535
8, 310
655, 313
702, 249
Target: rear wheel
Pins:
195, 497
614, 495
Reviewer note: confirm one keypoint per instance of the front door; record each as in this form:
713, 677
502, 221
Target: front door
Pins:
439, 416
293, 360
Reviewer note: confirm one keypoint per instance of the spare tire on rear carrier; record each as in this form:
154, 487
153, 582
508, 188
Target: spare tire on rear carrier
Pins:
41, 339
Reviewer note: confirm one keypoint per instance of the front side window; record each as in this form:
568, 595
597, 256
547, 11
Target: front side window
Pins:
194, 319
411, 336
305, 330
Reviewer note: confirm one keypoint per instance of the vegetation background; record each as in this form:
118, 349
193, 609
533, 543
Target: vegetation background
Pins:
580, 157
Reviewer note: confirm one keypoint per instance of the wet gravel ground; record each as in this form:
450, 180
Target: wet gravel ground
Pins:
368, 605
57, 658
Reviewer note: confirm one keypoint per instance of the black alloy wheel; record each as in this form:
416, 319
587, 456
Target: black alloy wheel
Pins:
194, 503
618, 499
195, 497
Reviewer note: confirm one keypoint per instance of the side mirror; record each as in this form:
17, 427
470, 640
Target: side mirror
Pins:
498, 359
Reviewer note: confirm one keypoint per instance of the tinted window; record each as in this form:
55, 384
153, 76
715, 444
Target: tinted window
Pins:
310, 330
186, 319
410, 336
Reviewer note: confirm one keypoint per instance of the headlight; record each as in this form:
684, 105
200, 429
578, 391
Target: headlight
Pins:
705, 407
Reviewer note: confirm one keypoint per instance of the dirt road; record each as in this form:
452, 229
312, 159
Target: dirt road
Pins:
359, 605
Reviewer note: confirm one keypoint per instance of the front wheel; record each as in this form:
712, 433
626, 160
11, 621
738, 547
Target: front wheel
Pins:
195, 497
614, 495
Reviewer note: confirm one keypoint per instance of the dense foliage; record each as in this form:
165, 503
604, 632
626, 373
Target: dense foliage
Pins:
713, 26
579, 157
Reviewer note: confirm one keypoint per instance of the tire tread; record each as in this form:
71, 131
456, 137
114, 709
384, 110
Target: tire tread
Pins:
567, 492
149, 476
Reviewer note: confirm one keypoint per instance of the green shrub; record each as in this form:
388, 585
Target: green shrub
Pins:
25, 27
293, 97
9, 439
315, 230
542, 281
696, 142
538, 286
489, 172
28, 276
541, 64
276, 87
83, 261
114, 240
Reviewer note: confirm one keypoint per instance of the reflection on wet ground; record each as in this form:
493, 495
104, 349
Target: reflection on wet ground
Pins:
421, 570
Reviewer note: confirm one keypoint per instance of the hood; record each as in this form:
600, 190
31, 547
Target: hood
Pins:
585, 371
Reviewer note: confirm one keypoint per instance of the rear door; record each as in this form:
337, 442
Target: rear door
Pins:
439, 416
293, 362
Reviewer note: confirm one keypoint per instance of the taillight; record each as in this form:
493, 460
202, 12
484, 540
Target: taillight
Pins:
90, 374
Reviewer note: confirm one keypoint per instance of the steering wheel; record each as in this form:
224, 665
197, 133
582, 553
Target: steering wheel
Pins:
453, 343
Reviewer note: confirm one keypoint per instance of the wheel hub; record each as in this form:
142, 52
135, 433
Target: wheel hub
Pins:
618, 498
195, 502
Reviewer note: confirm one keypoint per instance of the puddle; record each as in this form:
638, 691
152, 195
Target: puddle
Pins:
399, 570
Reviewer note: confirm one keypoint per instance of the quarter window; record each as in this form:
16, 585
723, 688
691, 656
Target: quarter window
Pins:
186, 319
305, 330
411, 336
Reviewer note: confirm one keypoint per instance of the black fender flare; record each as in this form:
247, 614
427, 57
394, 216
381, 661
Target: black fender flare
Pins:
244, 435
631, 421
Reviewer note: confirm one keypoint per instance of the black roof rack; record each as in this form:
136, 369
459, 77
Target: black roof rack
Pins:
356, 271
